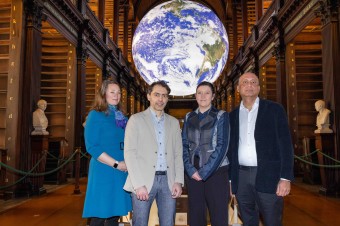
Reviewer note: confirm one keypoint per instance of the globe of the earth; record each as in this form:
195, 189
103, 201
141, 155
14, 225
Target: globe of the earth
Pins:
182, 43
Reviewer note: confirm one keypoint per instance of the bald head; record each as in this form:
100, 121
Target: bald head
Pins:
248, 75
248, 86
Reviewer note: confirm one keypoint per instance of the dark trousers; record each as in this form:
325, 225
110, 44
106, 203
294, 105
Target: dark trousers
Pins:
112, 221
212, 194
253, 203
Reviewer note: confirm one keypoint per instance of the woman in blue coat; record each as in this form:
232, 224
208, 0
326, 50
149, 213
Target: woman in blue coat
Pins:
105, 199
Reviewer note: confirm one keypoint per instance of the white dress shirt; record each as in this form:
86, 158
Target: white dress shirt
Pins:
247, 148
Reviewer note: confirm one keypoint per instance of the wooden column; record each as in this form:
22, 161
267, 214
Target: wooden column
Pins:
107, 57
138, 101
101, 10
292, 109
126, 31
244, 20
39, 148
281, 79
235, 43
80, 89
131, 99
258, 9
125, 94
81, 51
325, 143
115, 21
105, 70
30, 88
329, 12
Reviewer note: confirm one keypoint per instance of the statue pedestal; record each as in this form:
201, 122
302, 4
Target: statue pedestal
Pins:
39, 146
325, 143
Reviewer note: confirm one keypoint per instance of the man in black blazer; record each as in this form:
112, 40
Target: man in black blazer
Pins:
261, 154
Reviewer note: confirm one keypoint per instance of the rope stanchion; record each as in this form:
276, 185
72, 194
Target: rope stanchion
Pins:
30, 172
77, 172
84, 155
314, 164
22, 178
310, 154
335, 160
37, 174
302, 159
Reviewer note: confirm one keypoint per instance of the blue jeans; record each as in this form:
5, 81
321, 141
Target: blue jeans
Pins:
165, 203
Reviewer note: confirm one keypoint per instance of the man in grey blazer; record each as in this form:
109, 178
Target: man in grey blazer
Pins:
153, 156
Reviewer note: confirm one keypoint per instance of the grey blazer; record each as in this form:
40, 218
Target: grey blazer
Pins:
140, 151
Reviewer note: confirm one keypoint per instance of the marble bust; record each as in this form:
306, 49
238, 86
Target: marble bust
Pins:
322, 119
40, 121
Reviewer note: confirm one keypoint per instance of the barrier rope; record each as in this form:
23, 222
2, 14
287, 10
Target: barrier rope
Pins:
22, 178
303, 159
39, 174
29, 173
84, 155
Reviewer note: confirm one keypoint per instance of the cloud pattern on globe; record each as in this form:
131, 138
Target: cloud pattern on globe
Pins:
182, 43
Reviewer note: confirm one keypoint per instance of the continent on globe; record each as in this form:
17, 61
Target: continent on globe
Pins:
182, 43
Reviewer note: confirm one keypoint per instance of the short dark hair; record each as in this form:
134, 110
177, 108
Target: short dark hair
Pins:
160, 83
205, 83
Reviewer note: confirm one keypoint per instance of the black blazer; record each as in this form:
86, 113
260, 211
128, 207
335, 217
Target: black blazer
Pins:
275, 155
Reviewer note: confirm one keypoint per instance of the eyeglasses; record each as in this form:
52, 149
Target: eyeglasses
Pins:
161, 95
249, 82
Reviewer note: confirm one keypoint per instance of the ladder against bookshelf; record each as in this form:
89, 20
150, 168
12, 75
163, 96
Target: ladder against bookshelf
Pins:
5, 18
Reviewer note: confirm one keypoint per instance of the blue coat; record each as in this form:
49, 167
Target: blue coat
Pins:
273, 147
105, 196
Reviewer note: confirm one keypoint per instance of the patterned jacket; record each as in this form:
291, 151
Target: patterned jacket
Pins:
209, 139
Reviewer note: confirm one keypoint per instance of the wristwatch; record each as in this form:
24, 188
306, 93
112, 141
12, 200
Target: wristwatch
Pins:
115, 165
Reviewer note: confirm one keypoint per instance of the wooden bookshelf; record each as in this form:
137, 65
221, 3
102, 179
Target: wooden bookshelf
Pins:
266, 5
230, 99
93, 4
93, 82
109, 16
58, 82
124, 101
268, 80
5, 18
309, 82
251, 15
304, 70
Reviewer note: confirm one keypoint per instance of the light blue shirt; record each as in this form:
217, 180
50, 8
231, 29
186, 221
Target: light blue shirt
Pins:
160, 137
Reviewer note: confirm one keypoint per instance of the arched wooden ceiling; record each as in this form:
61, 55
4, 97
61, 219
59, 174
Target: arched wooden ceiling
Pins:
141, 7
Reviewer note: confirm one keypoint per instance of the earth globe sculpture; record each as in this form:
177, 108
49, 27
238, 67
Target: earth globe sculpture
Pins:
181, 42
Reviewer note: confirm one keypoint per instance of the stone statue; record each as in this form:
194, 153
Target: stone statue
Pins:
322, 120
40, 121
